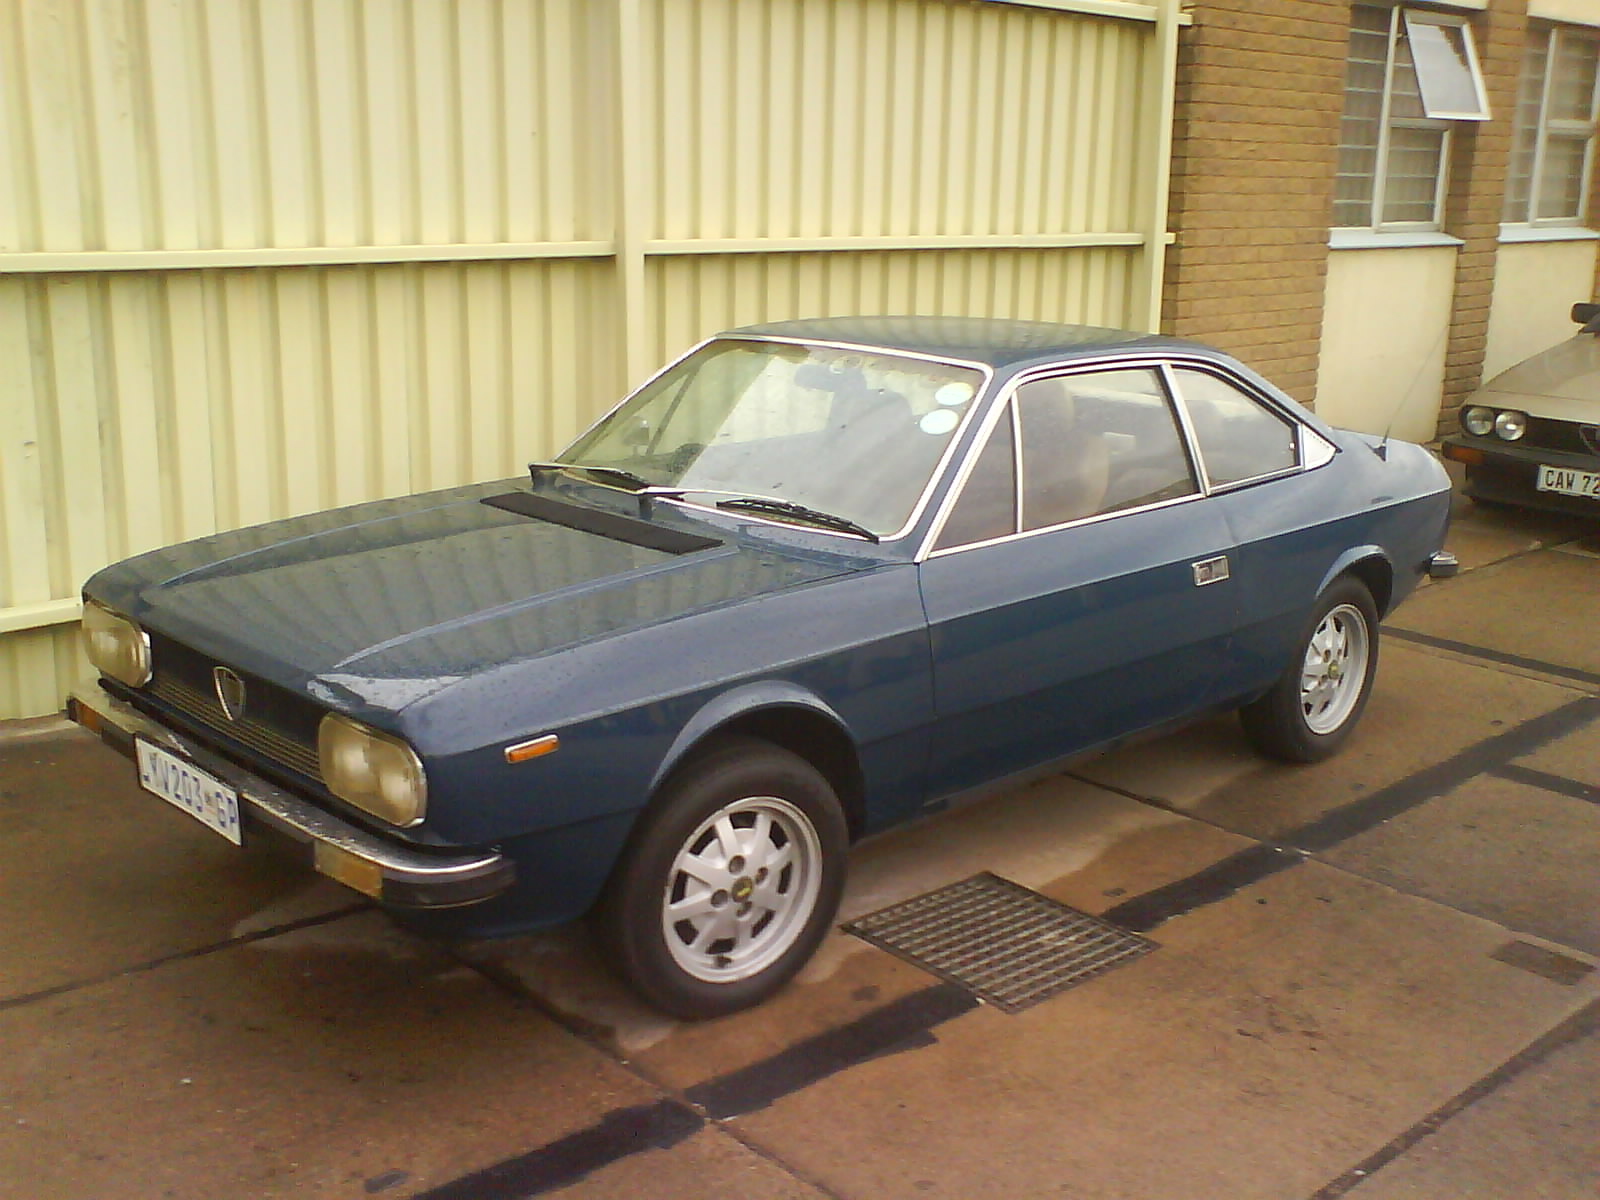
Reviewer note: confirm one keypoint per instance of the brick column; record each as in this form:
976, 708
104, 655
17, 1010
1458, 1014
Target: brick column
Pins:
1259, 92
1479, 155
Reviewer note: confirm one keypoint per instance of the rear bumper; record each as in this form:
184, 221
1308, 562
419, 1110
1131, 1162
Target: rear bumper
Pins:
394, 874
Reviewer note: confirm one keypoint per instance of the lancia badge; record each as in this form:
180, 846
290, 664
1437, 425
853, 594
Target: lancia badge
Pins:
230, 692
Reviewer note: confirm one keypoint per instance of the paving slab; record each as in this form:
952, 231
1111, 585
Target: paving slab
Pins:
1575, 758
1273, 1040
1480, 535
1521, 856
1535, 1138
100, 875
1541, 607
1425, 707
339, 1060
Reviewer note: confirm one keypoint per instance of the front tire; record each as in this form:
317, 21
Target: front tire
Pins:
1314, 706
730, 882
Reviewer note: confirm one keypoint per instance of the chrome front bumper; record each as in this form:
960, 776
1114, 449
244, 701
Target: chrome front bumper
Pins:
394, 874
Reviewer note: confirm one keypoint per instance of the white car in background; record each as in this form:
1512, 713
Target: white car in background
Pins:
1531, 435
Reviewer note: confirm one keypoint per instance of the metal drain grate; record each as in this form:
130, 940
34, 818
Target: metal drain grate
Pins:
1006, 943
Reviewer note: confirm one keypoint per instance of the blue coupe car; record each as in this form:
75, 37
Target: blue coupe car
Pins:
812, 579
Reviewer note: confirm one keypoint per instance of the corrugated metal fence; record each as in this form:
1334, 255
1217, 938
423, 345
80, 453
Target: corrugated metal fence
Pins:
259, 257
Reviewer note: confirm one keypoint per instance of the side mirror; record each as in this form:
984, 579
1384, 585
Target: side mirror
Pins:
1582, 314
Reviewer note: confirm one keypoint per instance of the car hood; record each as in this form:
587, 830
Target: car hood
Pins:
1563, 382
384, 603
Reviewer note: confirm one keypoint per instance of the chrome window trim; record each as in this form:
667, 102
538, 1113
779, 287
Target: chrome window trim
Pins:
934, 476
958, 483
1096, 519
1163, 361
1110, 360
1191, 440
1299, 427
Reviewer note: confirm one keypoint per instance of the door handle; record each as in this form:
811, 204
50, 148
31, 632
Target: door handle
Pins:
1210, 570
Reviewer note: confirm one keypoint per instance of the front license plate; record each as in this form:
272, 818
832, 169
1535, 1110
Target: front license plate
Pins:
183, 785
1570, 482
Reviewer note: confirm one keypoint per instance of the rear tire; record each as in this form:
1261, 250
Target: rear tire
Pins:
729, 883
1314, 706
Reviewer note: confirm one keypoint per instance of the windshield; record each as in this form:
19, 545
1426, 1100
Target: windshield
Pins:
849, 432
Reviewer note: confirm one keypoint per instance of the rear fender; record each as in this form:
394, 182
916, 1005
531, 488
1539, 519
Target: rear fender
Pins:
1372, 566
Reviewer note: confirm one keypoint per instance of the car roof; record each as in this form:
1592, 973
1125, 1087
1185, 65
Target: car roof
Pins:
997, 342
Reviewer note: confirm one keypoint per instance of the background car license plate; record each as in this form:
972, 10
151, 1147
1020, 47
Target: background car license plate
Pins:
182, 784
1570, 482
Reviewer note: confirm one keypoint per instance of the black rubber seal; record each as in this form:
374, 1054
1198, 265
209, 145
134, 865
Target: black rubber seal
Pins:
603, 524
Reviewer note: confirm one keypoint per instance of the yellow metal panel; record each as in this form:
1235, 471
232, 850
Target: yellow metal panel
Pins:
697, 296
176, 124
24, 568
133, 447
71, 445
37, 667
800, 118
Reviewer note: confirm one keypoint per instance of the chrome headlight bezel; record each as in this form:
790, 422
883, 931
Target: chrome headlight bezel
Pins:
375, 771
115, 645
1477, 420
1510, 425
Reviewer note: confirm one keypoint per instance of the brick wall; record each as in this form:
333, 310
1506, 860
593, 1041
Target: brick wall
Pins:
1479, 155
1260, 90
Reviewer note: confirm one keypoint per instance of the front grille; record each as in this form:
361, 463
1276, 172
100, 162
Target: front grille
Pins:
276, 725
1566, 437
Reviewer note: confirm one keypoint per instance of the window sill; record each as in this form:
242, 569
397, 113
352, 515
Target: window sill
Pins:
1510, 234
1368, 239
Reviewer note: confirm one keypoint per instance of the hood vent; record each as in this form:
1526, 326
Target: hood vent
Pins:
603, 524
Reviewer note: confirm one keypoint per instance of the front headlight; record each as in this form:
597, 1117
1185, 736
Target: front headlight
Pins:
115, 645
1511, 425
1477, 420
377, 773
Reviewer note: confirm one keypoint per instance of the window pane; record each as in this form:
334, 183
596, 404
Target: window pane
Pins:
1443, 58
1363, 112
1561, 179
1525, 126
1097, 443
1405, 101
1572, 88
1240, 438
1411, 182
987, 507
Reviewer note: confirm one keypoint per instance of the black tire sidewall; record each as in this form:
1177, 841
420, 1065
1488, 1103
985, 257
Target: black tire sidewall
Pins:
1276, 723
629, 914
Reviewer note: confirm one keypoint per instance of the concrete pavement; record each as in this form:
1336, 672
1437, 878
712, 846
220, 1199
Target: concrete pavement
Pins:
1374, 977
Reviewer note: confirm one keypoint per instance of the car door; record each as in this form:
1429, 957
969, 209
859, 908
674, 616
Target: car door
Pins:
1078, 586
1260, 466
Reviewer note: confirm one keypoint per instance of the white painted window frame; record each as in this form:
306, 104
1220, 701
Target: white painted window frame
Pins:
1442, 122
1544, 126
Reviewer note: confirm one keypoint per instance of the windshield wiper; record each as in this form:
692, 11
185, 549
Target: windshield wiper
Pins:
647, 491
638, 485
798, 512
610, 474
